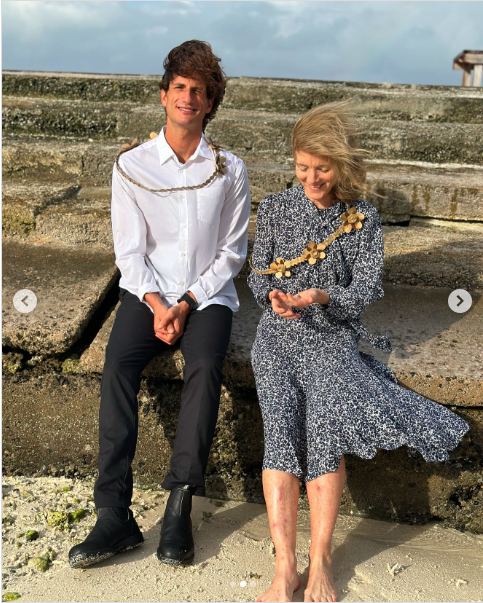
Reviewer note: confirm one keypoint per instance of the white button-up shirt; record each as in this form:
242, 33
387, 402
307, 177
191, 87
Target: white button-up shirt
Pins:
185, 240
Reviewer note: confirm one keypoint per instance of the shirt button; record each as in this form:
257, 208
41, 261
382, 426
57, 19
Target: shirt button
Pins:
183, 254
183, 225
181, 284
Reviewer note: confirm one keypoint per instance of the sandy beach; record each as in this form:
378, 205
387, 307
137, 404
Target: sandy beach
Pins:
234, 558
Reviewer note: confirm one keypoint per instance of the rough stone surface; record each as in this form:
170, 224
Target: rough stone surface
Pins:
450, 192
21, 204
415, 189
431, 350
258, 136
433, 257
419, 323
84, 220
55, 160
251, 134
52, 429
392, 101
69, 285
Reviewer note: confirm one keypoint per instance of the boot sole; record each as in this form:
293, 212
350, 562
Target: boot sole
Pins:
84, 560
175, 562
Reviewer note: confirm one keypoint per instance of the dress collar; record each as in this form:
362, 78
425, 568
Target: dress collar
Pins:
331, 213
166, 152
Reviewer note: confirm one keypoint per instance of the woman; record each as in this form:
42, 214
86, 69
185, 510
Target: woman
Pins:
317, 264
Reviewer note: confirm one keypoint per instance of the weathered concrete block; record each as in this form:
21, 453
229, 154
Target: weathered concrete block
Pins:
84, 220
430, 191
251, 134
22, 203
50, 427
430, 345
391, 101
257, 136
69, 285
433, 257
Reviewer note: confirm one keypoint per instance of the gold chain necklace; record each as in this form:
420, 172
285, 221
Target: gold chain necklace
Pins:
220, 168
351, 219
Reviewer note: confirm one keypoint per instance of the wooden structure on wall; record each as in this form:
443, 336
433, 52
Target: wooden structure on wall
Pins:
467, 61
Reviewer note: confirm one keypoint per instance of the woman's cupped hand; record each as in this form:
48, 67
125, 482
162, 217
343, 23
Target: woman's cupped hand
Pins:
282, 303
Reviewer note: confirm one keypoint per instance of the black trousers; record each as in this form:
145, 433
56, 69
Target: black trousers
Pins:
132, 345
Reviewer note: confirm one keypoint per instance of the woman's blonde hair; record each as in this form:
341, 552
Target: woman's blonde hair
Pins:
329, 131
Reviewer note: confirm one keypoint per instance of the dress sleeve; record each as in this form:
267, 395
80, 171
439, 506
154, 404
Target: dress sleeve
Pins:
347, 303
262, 255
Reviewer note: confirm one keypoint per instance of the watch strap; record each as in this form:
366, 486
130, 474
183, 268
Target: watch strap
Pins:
189, 300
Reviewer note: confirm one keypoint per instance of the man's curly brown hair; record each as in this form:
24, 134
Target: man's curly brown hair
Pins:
195, 59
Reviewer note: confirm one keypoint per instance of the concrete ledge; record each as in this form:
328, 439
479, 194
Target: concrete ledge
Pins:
450, 192
253, 135
431, 353
394, 101
69, 285
22, 203
50, 427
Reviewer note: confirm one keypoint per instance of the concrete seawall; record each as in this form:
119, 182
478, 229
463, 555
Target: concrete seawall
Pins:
61, 134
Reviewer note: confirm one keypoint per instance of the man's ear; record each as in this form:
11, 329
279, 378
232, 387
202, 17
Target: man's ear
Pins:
209, 106
163, 98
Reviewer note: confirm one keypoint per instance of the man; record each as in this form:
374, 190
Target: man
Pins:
180, 212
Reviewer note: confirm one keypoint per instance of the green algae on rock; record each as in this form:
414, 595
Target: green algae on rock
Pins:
12, 362
32, 535
61, 520
71, 365
11, 596
41, 564
76, 516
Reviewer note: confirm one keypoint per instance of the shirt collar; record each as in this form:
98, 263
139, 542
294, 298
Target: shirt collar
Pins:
166, 152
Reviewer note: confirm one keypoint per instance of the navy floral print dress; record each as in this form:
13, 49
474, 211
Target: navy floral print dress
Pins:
320, 397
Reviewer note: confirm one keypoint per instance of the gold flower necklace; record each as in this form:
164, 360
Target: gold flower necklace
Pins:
351, 220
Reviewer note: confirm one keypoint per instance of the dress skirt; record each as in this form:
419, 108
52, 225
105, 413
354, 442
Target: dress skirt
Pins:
321, 398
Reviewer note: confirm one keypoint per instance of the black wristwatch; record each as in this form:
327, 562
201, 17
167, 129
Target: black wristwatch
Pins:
189, 300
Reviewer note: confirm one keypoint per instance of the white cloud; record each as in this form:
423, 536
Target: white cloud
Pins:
411, 42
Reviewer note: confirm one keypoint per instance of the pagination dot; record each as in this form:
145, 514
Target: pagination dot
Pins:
243, 583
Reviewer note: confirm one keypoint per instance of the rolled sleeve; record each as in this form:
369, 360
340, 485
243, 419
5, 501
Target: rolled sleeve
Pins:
232, 240
347, 303
129, 237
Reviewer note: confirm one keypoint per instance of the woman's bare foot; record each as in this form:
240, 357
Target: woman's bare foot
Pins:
320, 586
285, 583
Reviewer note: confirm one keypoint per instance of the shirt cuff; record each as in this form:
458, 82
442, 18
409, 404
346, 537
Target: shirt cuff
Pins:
148, 288
198, 292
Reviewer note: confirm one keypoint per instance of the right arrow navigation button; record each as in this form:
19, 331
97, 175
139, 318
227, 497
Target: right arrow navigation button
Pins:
459, 301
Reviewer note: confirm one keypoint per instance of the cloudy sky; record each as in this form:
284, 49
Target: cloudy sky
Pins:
405, 42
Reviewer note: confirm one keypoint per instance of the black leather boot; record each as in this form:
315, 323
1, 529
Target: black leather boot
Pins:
115, 531
176, 546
